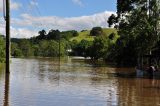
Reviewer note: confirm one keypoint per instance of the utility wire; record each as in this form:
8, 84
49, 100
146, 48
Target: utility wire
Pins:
37, 10
30, 9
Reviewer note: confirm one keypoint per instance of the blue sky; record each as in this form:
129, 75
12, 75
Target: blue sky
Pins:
71, 8
30, 16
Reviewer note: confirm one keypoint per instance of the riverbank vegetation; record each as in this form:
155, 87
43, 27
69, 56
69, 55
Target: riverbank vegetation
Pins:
72, 43
2, 49
138, 23
136, 33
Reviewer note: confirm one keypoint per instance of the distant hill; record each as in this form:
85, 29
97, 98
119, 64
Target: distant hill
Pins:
86, 34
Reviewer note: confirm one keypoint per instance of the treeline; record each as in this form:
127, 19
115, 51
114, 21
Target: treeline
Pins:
99, 48
51, 44
56, 43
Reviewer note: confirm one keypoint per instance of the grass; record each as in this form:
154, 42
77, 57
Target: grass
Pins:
83, 35
86, 34
108, 31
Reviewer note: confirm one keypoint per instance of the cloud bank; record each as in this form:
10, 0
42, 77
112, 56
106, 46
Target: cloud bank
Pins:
67, 23
27, 25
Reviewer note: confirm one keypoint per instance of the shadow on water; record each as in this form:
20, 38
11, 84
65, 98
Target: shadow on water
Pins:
6, 90
132, 73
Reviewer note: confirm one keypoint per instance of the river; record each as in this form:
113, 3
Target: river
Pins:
70, 82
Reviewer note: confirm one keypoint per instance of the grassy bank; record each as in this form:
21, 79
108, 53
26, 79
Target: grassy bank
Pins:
86, 34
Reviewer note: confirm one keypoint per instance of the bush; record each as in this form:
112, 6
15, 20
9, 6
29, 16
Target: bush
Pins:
96, 31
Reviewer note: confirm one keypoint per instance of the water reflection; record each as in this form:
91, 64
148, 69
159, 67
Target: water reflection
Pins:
6, 90
139, 92
40, 82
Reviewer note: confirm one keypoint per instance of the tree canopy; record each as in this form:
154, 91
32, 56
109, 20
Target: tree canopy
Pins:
96, 31
138, 27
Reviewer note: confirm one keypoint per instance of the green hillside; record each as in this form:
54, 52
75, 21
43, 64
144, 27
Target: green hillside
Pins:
86, 34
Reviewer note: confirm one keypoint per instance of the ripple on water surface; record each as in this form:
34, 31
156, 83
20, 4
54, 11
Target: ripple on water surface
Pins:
43, 82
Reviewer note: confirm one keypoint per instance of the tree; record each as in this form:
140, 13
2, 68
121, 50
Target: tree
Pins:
53, 35
69, 34
99, 48
26, 47
137, 20
81, 48
112, 20
96, 31
42, 35
2, 50
75, 33
51, 48
15, 51
112, 36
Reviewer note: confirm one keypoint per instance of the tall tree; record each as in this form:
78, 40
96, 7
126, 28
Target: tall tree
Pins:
42, 35
138, 22
53, 35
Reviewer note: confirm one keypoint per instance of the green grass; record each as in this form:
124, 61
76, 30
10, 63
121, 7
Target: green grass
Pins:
108, 31
83, 35
86, 34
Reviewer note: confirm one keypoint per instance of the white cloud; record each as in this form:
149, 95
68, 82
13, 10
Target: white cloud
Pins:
28, 26
78, 2
2, 26
33, 3
14, 5
67, 23
17, 32
1, 5
22, 33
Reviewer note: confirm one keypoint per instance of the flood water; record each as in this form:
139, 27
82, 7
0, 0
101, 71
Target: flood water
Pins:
43, 82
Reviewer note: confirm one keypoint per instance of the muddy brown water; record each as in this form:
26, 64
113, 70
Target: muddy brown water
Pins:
43, 82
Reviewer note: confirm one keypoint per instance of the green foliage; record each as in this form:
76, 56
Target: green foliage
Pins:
100, 47
25, 47
15, 51
81, 48
112, 20
50, 48
64, 46
53, 35
74, 43
75, 33
2, 50
138, 29
69, 34
57, 43
85, 35
42, 35
112, 36
96, 31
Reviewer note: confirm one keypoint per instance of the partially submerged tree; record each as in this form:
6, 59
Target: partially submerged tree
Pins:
137, 22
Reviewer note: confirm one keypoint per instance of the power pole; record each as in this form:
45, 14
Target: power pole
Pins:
7, 36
